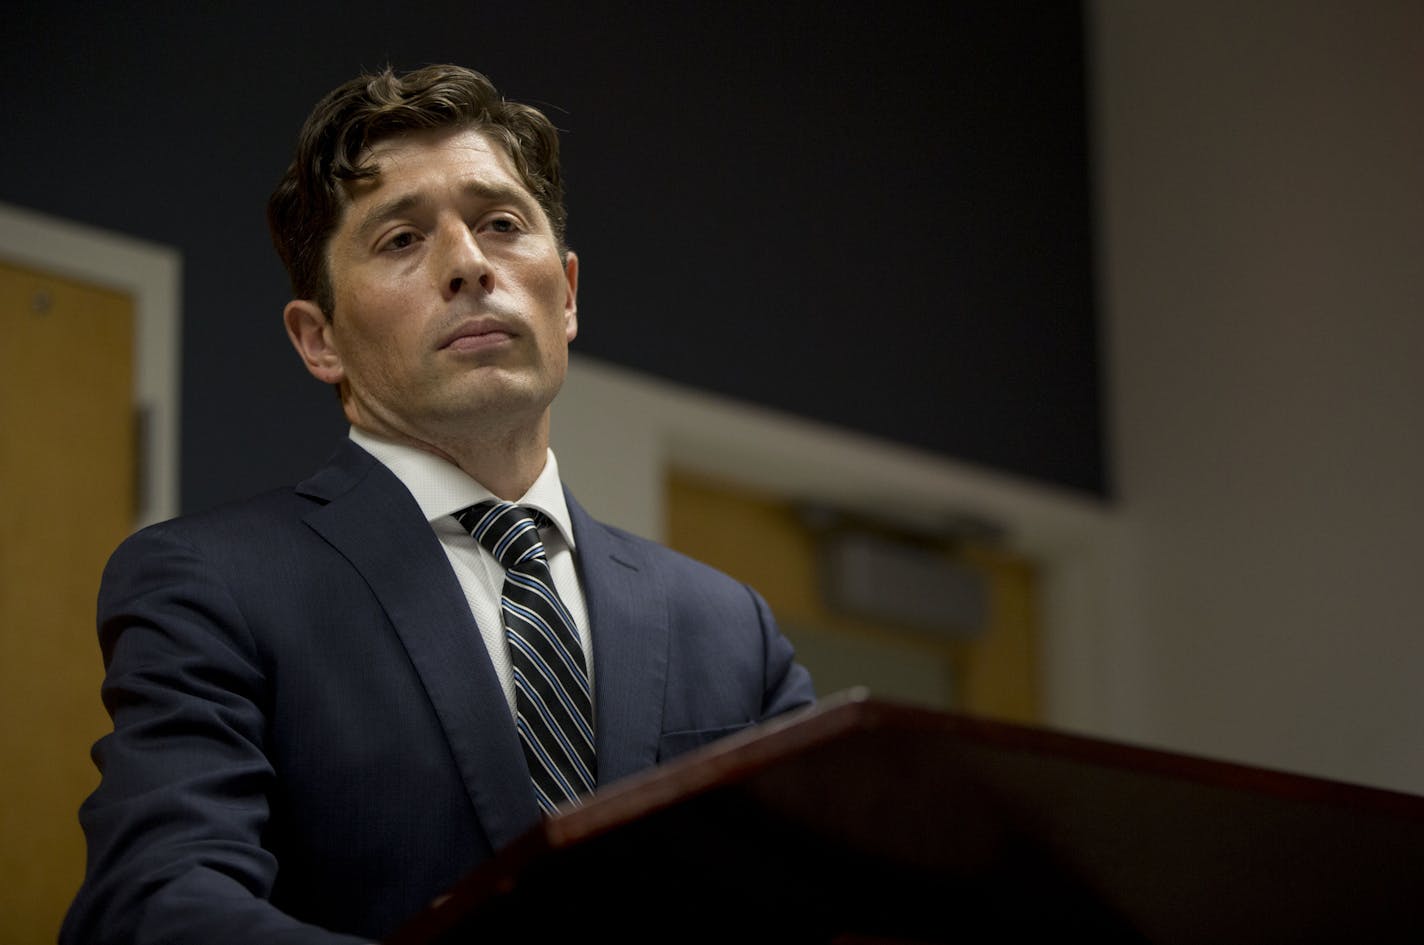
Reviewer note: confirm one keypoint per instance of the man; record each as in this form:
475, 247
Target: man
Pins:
327, 701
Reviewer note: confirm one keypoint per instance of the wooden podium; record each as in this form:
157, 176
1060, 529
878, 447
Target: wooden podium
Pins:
865, 822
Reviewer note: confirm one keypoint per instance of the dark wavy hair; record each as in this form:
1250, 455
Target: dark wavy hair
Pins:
306, 207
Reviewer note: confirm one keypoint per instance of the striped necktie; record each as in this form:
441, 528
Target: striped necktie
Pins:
553, 707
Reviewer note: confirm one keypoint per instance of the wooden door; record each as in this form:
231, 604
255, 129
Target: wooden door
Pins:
67, 487
763, 540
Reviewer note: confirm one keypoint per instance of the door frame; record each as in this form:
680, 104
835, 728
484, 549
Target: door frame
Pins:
151, 274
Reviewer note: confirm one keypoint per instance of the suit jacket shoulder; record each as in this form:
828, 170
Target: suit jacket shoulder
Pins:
295, 680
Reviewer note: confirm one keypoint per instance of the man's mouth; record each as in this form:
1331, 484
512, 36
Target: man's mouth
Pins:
477, 336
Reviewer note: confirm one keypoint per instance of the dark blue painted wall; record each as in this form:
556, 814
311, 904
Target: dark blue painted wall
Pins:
873, 215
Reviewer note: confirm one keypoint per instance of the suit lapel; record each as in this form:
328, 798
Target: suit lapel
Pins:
628, 620
370, 518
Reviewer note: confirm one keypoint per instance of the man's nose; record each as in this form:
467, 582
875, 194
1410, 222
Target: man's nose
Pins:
462, 262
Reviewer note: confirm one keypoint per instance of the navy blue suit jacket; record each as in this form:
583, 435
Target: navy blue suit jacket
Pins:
308, 734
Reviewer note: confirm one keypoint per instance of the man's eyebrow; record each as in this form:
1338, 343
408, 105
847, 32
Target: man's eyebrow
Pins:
501, 193
381, 212
404, 204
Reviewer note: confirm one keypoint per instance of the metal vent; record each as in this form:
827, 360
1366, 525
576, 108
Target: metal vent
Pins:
904, 584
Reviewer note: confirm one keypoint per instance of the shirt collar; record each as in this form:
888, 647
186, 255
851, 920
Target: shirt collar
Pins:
441, 488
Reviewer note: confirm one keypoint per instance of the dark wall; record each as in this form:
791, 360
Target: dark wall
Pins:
876, 216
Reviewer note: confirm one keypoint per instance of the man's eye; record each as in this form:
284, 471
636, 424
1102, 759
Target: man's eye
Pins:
400, 240
503, 225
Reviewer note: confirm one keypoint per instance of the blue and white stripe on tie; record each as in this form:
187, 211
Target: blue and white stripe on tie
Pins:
552, 700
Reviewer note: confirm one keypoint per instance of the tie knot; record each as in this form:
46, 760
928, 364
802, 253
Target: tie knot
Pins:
508, 531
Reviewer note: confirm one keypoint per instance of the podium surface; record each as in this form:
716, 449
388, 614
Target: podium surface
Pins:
861, 821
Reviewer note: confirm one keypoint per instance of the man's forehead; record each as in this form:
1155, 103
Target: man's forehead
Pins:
418, 169
461, 148
457, 136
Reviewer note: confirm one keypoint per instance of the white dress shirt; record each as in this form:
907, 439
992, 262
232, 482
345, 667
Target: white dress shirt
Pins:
442, 489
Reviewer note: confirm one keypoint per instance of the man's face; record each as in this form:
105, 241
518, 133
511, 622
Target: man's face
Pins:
452, 308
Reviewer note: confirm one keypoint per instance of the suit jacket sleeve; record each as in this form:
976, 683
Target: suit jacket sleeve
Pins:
175, 828
788, 684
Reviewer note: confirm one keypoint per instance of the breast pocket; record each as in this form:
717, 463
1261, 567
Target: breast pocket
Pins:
672, 744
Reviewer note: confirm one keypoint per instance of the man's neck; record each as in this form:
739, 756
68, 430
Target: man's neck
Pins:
505, 463
508, 468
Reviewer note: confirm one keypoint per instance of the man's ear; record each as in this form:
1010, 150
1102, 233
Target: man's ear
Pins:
310, 331
571, 273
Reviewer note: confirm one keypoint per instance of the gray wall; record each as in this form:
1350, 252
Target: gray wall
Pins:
1262, 184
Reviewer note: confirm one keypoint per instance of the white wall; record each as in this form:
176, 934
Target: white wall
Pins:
1261, 175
